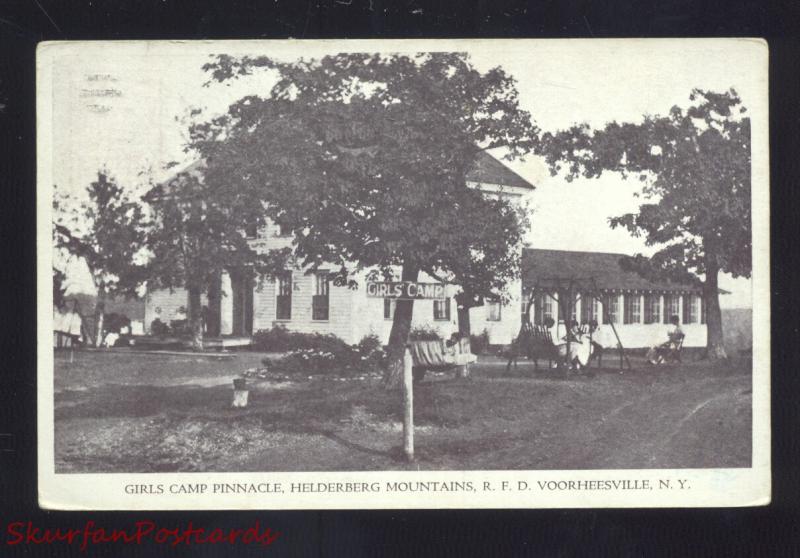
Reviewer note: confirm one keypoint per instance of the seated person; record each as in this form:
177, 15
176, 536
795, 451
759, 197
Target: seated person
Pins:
453, 349
574, 331
579, 346
675, 335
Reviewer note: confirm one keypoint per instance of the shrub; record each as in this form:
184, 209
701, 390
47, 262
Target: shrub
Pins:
331, 357
281, 340
157, 327
113, 322
479, 343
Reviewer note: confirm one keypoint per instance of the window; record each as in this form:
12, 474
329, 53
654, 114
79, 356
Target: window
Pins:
690, 309
703, 311
613, 309
543, 308
588, 308
672, 307
283, 302
652, 308
389, 304
493, 312
441, 309
598, 310
320, 303
251, 231
633, 309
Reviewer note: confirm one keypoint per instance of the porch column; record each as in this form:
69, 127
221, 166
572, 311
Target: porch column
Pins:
212, 319
225, 305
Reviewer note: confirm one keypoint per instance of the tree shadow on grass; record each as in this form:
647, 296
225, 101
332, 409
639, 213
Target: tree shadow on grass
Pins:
332, 436
118, 400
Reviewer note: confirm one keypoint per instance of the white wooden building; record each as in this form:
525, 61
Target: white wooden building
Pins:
299, 301
311, 303
639, 308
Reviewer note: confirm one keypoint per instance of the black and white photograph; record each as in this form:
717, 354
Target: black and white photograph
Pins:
455, 273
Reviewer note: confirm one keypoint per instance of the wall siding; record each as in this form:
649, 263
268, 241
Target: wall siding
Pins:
340, 314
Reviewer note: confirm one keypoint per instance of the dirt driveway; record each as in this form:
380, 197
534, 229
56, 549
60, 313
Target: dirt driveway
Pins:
146, 413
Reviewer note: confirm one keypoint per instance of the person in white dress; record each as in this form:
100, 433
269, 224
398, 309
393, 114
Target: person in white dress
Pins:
580, 348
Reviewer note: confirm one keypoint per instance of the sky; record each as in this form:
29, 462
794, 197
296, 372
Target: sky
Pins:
120, 106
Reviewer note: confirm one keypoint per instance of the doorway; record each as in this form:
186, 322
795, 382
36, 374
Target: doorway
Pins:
242, 285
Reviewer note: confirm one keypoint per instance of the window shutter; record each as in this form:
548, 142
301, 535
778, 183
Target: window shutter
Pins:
626, 304
320, 302
283, 300
320, 307
667, 308
687, 309
702, 310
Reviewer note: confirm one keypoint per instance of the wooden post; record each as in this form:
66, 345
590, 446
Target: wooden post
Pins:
408, 405
240, 392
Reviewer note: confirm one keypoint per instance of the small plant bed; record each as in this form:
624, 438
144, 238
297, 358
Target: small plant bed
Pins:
310, 355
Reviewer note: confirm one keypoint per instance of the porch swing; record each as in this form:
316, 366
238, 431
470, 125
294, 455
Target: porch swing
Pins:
535, 341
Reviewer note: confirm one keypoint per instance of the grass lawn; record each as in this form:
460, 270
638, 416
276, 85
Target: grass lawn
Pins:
117, 412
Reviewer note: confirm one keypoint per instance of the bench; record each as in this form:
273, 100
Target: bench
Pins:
534, 342
441, 355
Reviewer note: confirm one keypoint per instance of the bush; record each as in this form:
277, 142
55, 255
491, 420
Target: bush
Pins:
331, 357
281, 340
157, 327
113, 322
424, 333
479, 343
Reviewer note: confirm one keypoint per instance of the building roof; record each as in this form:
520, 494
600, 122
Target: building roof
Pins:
489, 170
545, 269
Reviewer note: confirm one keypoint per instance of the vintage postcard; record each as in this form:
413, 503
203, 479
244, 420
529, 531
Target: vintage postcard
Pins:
340, 274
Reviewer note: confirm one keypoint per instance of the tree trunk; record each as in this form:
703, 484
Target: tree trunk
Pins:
195, 316
715, 348
398, 338
99, 316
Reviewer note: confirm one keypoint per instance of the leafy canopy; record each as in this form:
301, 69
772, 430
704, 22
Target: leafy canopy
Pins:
198, 231
695, 166
365, 157
106, 231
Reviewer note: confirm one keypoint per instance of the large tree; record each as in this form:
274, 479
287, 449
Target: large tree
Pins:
695, 166
106, 231
366, 157
198, 231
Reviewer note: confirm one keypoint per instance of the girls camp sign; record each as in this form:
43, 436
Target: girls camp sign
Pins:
407, 290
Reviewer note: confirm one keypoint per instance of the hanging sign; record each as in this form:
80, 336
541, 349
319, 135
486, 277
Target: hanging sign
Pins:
406, 290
